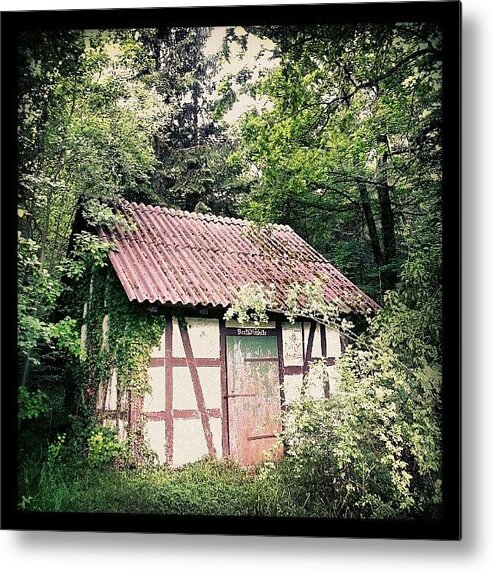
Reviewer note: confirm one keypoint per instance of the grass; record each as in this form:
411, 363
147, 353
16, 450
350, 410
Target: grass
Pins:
208, 487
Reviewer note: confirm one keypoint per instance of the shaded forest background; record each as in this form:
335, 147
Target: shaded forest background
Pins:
343, 144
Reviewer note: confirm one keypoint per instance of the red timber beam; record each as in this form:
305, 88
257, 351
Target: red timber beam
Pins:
309, 346
300, 369
181, 414
344, 342
168, 389
280, 356
135, 409
323, 340
224, 388
199, 396
181, 361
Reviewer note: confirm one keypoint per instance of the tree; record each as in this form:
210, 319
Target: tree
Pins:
192, 149
349, 153
85, 132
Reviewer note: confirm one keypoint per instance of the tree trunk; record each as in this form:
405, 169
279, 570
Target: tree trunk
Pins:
389, 274
78, 224
370, 223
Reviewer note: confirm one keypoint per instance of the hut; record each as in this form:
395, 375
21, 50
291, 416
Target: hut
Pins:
216, 387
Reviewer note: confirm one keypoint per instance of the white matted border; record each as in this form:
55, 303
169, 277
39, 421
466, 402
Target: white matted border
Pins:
92, 551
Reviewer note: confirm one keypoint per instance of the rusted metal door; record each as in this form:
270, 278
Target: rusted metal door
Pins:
254, 410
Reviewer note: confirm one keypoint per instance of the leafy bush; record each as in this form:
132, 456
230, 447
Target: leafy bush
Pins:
104, 446
37, 294
32, 404
373, 450
55, 449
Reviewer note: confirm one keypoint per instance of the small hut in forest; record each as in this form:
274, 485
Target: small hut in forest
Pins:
212, 386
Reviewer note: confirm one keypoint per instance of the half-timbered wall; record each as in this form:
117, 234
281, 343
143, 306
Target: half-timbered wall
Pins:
302, 343
185, 413
183, 410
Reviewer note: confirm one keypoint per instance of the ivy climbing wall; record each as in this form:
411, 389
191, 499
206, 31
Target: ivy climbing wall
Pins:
167, 383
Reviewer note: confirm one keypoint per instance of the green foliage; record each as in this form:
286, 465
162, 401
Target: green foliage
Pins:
309, 300
32, 404
251, 303
85, 129
89, 252
37, 295
55, 451
98, 214
133, 331
207, 487
119, 340
348, 152
66, 334
373, 450
191, 147
104, 447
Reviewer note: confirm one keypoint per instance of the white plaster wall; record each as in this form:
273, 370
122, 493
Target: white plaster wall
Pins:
156, 438
204, 337
122, 431
124, 400
100, 398
106, 333
189, 443
333, 342
83, 339
83, 333
183, 392
159, 350
317, 347
155, 400
334, 378
292, 387
292, 343
111, 392
210, 380
315, 390
217, 435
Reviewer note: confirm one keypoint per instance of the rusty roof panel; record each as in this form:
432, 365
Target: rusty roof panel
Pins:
178, 257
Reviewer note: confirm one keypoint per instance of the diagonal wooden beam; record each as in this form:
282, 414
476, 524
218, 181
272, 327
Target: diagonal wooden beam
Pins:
309, 346
199, 396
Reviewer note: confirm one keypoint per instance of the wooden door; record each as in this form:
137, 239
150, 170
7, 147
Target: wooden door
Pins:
254, 408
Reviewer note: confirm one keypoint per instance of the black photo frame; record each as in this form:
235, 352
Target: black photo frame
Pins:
448, 15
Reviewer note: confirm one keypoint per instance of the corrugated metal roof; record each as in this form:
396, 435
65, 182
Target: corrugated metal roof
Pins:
187, 258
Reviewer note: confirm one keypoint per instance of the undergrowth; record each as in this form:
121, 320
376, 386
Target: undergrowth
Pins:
207, 487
